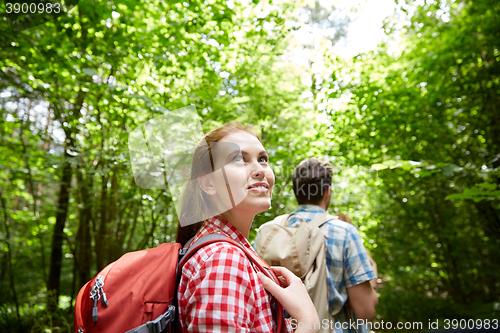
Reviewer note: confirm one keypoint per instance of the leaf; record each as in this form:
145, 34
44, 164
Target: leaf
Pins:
379, 166
391, 163
455, 168
239, 100
397, 165
474, 191
89, 71
447, 171
488, 186
406, 165
456, 196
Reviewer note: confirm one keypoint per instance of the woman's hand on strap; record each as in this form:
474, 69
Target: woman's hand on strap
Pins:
294, 298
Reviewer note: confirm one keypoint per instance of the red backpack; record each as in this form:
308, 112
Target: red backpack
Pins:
137, 293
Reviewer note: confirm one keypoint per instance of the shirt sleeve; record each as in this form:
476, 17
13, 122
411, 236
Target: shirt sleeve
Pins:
357, 267
223, 293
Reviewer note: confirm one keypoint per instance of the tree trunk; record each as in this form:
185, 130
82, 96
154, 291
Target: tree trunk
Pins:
9, 254
83, 238
53, 284
101, 233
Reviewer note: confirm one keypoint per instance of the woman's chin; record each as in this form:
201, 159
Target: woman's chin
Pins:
256, 205
263, 206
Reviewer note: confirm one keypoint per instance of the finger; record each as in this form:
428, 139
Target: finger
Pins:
268, 284
284, 272
283, 281
279, 270
271, 287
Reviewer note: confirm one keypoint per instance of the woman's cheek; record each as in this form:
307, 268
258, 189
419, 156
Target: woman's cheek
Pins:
237, 183
270, 177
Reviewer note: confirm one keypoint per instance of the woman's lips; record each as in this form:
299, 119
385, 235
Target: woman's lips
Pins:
259, 189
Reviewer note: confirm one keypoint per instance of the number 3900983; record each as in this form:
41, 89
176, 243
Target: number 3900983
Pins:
33, 8
471, 324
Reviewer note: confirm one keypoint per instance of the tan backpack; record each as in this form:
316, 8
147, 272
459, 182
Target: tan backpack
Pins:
302, 250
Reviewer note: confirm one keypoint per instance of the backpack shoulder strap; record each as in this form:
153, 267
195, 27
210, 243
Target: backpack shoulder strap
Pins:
190, 249
282, 219
321, 219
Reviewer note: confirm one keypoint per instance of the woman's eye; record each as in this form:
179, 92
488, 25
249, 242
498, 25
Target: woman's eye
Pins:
238, 158
263, 159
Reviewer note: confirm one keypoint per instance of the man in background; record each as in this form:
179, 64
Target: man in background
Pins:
348, 266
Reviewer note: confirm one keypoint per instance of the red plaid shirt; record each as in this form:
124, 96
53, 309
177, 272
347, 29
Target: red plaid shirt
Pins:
219, 290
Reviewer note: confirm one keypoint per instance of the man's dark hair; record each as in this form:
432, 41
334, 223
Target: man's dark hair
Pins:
310, 180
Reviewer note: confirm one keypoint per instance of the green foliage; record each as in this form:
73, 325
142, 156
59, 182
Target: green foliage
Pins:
425, 120
484, 190
36, 319
478, 193
71, 91
413, 137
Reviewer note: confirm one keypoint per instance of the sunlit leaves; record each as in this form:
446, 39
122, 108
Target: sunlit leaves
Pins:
424, 121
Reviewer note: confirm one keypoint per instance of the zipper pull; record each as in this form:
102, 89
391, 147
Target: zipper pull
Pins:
99, 283
94, 295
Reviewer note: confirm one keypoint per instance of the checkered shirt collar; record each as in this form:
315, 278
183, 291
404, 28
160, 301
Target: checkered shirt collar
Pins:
219, 225
309, 209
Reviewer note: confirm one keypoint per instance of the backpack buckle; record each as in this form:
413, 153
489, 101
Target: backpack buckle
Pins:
183, 251
160, 323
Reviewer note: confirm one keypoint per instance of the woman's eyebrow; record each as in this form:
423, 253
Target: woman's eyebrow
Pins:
263, 152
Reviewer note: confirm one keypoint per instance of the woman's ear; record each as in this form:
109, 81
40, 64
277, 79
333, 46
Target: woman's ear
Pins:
206, 185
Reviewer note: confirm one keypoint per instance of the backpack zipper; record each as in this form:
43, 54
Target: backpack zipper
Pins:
96, 294
99, 283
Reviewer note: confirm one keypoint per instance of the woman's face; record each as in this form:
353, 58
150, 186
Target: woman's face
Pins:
243, 180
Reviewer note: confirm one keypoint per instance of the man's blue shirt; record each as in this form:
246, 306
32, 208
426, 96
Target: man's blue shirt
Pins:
346, 259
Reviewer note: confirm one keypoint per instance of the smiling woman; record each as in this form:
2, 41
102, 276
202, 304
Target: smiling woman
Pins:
220, 290
205, 198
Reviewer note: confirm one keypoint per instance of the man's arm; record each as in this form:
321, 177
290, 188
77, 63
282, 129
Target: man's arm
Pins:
373, 282
363, 300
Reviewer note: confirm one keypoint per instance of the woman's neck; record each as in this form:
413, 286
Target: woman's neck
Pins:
241, 220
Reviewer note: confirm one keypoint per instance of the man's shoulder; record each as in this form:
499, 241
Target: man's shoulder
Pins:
335, 222
332, 220
299, 215
338, 230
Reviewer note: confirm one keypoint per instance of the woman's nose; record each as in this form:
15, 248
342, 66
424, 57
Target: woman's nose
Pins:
257, 170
